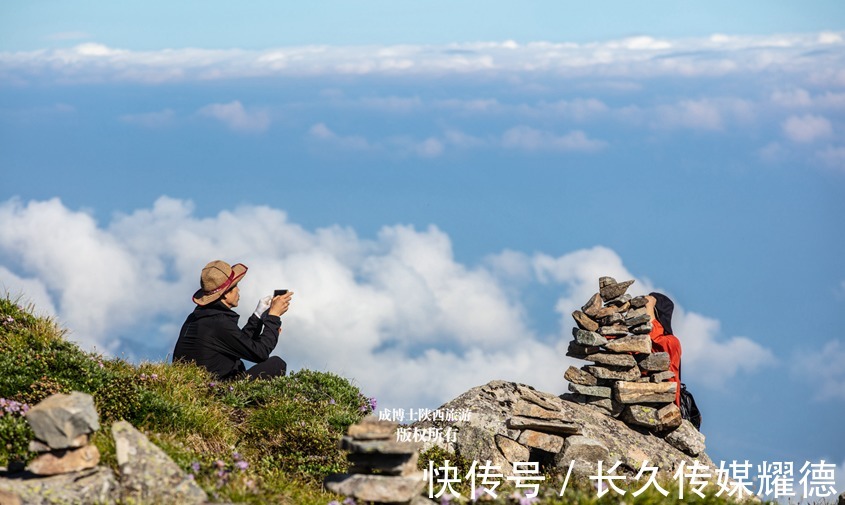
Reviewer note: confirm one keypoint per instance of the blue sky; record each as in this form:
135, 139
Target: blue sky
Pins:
442, 186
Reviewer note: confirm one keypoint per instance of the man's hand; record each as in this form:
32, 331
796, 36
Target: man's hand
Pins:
280, 304
263, 305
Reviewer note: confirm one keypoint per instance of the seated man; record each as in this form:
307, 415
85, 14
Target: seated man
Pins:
660, 307
211, 338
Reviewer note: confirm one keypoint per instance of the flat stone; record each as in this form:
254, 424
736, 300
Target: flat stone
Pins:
606, 281
686, 439
512, 450
39, 446
65, 461
638, 302
370, 428
648, 392
641, 415
620, 360
600, 391
611, 291
617, 330
606, 311
615, 373
546, 426
532, 396
9, 498
637, 317
632, 343
662, 376
584, 321
60, 419
643, 329
577, 376
612, 319
529, 409
543, 441
583, 453
656, 362
589, 338
388, 464
147, 474
97, 485
622, 303
377, 488
353, 446
592, 306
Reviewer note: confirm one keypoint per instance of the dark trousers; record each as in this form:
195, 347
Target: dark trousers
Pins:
274, 366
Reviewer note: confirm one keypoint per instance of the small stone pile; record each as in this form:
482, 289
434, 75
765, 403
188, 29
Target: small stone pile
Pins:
63, 425
381, 470
626, 380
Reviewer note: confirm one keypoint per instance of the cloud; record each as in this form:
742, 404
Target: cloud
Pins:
237, 118
531, 139
833, 157
807, 128
396, 312
822, 369
150, 119
814, 56
322, 132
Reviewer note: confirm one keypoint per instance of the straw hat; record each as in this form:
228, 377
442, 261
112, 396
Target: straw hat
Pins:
217, 277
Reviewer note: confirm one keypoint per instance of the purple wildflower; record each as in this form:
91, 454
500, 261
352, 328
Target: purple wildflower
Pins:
373, 403
331, 401
231, 388
154, 377
349, 501
236, 456
220, 464
212, 384
195, 466
242, 465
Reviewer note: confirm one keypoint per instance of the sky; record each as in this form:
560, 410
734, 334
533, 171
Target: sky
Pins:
441, 184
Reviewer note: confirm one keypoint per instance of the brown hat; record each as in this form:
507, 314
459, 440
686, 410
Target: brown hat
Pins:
217, 277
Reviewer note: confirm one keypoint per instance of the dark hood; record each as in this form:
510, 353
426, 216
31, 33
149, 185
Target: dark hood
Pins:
664, 309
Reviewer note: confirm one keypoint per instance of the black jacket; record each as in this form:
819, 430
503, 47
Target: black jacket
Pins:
211, 338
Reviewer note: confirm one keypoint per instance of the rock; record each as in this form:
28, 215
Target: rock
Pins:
387, 464
669, 417
576, 350
632, 343
60, 420
589, 338
531, 409
657, 362
377, 488
583, 453
638, 302
353, 446
65, 461
97, 485
606, 281
592, 306
687, 439
606, 405
643, 329
637, 317
7, 498
530, 395
664, 418
546, 426
620, 360
607, 311
543, 441
617, 330
577, 376
611, 291
662, 376
370, 428
622, 302
610, 320
600, 391
584, 321
512, 450
649, 392
147, 474
615, 373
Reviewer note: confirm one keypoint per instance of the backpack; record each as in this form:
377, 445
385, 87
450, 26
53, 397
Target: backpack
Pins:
689, 410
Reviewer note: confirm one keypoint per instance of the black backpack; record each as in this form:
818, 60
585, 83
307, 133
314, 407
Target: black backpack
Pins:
689, 410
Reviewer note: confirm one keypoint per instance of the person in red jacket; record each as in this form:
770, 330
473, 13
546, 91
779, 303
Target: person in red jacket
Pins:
660, 307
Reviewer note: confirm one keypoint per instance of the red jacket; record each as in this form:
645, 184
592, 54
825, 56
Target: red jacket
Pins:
661, 342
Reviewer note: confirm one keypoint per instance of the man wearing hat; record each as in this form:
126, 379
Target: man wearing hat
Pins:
211, 337
661, 307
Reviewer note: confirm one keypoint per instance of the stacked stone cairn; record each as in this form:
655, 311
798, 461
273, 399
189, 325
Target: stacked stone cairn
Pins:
63, 425
381, 469
626, 379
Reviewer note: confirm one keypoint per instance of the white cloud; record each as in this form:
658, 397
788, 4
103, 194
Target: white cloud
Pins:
833, 157
807, 128
823, 370
323, 133
813, 56
236, 117
398, 313
393, 103
772, 152
150, 119
531, 139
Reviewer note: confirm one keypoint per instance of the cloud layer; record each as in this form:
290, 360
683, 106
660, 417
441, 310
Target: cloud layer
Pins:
396, 312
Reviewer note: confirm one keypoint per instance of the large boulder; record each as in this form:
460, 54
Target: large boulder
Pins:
513, 421
97, 485
147, 474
